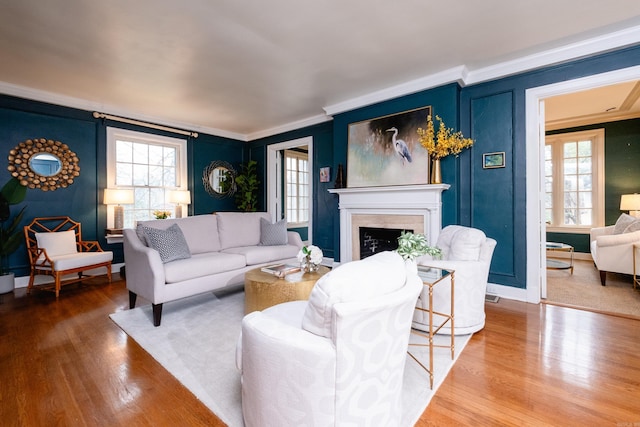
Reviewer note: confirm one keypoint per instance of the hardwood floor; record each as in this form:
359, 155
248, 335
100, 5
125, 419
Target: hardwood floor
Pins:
66, 363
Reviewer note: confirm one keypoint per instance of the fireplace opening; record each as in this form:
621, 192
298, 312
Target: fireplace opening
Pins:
374, 240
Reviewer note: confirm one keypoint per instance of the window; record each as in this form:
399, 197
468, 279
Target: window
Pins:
151, 165
296, 187
574, 180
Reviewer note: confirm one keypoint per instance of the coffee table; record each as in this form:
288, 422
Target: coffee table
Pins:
556, 264
263, 290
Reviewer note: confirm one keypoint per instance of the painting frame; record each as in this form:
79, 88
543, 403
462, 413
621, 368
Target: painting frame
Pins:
493, 160
386, 151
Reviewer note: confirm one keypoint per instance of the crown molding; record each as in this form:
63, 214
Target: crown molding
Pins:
310, 121
82, 104
456, 74
569, 52
589, 120
466, 77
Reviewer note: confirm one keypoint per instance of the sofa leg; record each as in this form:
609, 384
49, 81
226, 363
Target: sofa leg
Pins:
157, 314
132, 299
603, 277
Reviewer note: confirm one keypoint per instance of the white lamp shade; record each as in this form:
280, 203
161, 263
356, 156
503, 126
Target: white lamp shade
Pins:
630, 202
181, 197
118, 196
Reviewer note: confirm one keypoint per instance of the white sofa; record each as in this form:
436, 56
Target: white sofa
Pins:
612, 246
337, 359
221, 248
468, 252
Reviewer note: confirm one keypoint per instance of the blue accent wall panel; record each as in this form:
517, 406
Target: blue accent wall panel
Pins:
492, 195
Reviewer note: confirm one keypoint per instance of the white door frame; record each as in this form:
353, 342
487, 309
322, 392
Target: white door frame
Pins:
536, 229
274, 189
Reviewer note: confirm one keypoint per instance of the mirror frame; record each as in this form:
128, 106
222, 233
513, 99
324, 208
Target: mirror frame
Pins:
208, 172
20, 159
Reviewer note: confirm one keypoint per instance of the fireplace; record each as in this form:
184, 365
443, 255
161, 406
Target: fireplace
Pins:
375, 239
408, 207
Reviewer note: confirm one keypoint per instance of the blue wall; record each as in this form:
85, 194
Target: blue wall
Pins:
22, 119
493, 113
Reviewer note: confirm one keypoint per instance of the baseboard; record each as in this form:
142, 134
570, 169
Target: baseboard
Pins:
507, 292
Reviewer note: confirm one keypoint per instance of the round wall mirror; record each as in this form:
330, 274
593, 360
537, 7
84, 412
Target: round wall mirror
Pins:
219, 179
44, 164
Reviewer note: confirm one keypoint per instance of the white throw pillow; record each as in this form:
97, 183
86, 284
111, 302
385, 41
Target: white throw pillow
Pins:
371, 277
58, 243
624, 220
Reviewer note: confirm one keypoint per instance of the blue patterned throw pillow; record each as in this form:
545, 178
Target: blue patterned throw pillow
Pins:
170, 243
273, 234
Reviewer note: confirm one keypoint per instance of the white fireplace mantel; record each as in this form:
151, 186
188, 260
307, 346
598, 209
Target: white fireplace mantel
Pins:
423, 200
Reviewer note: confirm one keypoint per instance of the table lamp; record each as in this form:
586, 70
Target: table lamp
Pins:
180, 197
118, 197
631, 203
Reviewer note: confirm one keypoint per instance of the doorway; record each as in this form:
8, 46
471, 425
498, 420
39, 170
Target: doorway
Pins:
535, 136
275, 185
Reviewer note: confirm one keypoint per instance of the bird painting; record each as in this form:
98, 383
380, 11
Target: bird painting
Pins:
400, 146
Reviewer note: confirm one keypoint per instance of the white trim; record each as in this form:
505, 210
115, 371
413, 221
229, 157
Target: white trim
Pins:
114, 133
273, 165
536, 250
310, 121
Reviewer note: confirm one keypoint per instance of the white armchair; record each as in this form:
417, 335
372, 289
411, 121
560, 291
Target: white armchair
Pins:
612, 246
337, 359
468, 252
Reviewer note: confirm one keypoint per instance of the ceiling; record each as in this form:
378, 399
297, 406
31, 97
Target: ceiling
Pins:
246, 69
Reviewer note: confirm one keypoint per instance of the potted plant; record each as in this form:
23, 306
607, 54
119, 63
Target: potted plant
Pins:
10, 237
413, 245
247, 187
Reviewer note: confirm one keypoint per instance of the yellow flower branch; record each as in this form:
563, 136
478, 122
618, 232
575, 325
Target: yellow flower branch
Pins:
443, 143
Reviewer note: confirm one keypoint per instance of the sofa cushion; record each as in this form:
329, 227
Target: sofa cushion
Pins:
200, 231
170, 243
624, 220
57, 243
377, 275
273, 234
239, 228
263, 254
201, 265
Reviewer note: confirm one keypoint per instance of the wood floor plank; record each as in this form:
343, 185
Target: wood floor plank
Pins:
66, 363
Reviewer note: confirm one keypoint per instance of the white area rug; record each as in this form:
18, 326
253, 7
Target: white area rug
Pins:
196, 342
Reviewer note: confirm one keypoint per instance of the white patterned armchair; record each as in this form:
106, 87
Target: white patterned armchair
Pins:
612, 246
468, 252
337, 359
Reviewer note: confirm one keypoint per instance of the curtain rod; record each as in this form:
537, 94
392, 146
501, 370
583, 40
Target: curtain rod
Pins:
98, 115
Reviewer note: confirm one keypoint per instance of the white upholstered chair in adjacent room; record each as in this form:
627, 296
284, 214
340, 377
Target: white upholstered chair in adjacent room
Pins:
337, 359
468, 252
612, 246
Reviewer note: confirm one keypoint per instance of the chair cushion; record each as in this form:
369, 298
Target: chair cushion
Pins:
460, 243
81, 259
58, 243
273, 234
362, 280
170, 243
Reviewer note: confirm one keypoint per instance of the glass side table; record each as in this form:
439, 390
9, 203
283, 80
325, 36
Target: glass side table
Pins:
556, 264
432, 277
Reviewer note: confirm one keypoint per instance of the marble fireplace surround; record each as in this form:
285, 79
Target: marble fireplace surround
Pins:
416, 207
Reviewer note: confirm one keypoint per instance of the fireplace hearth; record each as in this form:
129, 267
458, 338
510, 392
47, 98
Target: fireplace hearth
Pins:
406, 207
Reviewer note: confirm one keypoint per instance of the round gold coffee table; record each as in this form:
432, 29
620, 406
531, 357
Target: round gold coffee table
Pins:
263, 290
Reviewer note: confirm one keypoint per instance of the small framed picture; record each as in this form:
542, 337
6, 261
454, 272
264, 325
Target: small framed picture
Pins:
325, 174
493, 160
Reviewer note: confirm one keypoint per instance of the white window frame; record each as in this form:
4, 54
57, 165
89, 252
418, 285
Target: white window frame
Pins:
597, 136
302, 156
114, 134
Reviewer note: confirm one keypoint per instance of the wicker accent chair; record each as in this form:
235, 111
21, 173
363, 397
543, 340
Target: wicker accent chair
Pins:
56, 249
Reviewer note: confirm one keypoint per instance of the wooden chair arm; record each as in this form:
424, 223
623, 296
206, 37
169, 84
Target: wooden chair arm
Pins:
89, 246
39, 257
